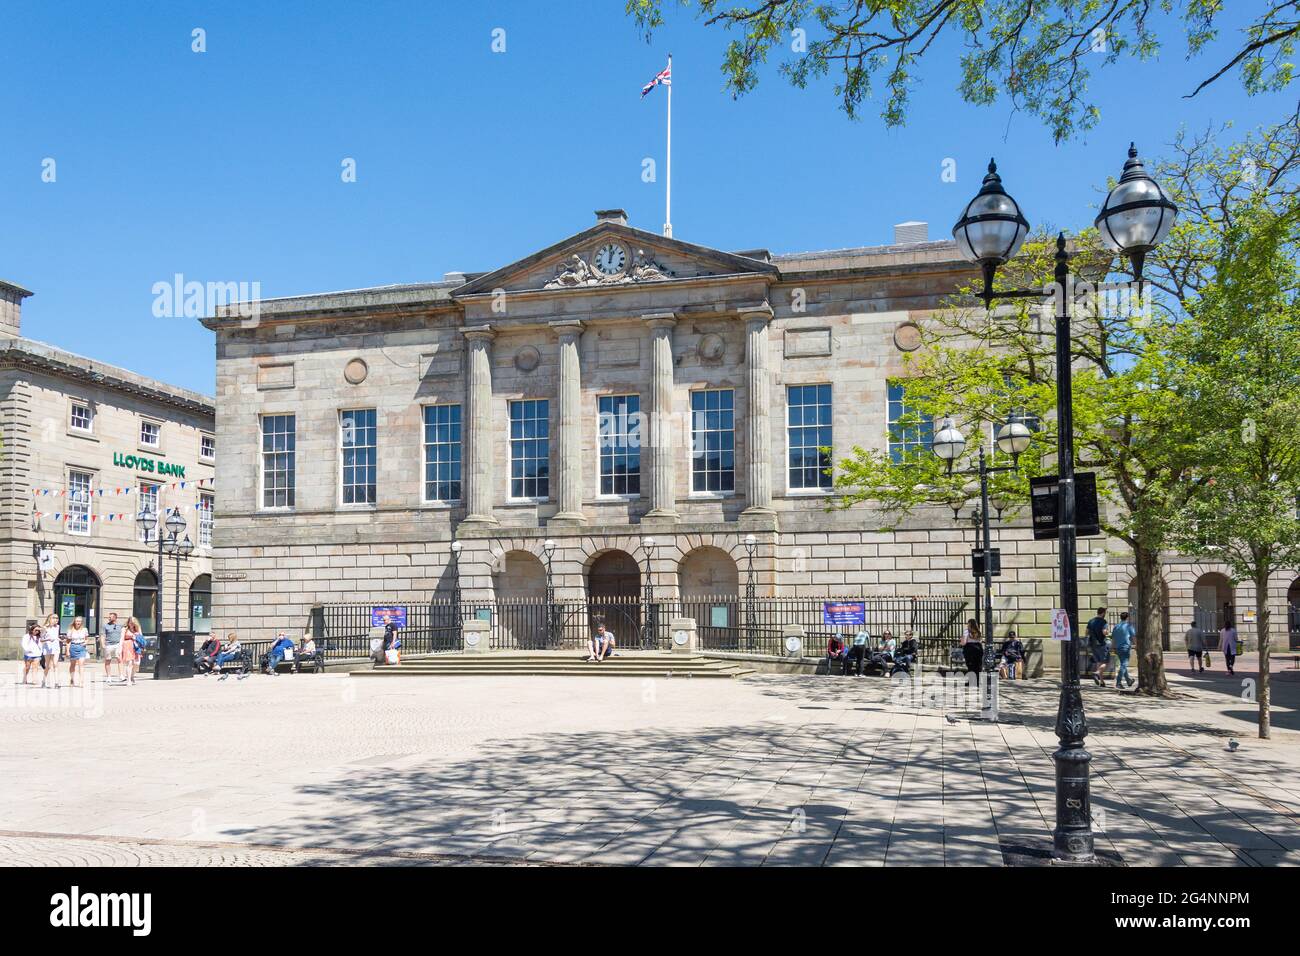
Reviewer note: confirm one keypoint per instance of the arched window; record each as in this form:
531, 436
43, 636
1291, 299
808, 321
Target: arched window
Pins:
144, 605
76, 594
201, 604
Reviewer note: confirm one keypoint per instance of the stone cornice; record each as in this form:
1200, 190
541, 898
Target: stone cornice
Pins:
37, 356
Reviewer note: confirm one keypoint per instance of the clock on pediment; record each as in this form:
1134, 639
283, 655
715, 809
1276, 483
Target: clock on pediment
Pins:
610, 259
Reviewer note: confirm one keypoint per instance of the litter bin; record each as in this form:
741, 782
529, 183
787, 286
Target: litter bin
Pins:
175, 655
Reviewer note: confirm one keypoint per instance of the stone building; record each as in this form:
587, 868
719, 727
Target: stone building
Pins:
615, 385
84, 446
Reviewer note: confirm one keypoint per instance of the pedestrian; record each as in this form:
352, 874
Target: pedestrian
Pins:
972, 649
1013, 654
78, 651
51, 631
1122, 636
112, 641
1098, 647
132, 647
1195, 647
31, 650
858, 652
49, 656
1228, 644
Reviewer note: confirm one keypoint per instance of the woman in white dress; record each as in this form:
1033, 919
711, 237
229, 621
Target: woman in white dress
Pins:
49, 642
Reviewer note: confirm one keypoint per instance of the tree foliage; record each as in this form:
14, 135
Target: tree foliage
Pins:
1039, 54
1241, 357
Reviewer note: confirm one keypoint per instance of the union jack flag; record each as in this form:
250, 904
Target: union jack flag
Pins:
665, 77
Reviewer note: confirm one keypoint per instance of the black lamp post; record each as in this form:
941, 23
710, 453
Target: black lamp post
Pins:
650, 628
1013, 438
751, 545
1133, 220
455, 589
178, 550
552, 630
146, 521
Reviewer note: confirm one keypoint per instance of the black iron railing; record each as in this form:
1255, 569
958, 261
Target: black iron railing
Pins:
728, 622
725, 622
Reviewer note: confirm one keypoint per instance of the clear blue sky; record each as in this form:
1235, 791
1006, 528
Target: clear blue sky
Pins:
225, 166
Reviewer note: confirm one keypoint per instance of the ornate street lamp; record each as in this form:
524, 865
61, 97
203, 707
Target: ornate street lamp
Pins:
650, 626
991, 229
1013, 438
552, 615
455, 589
1135, 217
751, 545
1137, 214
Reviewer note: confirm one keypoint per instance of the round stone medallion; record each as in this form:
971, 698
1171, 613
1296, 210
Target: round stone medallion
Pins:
907, 337
355, 372
527, 359
712, 347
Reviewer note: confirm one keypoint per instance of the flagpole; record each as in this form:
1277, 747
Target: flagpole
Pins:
668, 192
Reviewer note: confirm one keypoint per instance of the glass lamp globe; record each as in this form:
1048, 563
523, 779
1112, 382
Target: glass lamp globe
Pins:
948, 443
146, 519
992, 227
1137, 213
175, 522
1014, 437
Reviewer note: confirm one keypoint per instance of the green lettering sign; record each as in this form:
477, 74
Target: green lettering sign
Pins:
155, 465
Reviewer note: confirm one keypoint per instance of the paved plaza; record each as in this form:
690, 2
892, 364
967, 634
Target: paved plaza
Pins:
769, 769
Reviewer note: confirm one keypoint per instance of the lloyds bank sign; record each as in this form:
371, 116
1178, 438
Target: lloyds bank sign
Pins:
155, 466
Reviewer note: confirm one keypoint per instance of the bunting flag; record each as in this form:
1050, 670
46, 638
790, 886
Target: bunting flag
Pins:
127, 489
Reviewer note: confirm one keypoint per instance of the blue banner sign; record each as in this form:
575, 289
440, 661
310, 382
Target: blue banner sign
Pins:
383, 616
844, 613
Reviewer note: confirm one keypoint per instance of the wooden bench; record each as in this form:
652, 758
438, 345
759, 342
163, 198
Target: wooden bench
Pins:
315, 660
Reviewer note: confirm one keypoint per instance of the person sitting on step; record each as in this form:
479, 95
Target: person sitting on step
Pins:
601, 645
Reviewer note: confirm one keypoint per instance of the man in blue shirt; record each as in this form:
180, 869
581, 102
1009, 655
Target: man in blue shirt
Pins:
1122, 638
282, 642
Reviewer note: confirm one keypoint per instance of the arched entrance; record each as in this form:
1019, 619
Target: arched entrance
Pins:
201, 604
519, 583
1293, 613
614, 596
710, 587
519, 575
1164, 616
76, 594
144, 602
1211, 601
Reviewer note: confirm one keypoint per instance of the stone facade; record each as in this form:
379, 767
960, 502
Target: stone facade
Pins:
680, 319
50, 452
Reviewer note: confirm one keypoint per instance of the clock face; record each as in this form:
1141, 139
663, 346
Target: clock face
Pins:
610, 259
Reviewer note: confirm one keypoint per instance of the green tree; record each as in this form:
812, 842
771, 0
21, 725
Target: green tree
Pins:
1038, 53
979, 369
1242, 355
1134, 423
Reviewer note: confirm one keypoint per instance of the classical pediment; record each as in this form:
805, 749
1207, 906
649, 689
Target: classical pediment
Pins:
609, 256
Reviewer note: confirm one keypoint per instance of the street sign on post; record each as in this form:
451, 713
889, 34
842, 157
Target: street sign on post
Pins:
977, 562
1044, 501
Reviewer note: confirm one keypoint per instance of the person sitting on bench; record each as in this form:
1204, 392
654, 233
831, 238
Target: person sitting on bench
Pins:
836, 651
308, 646
281, 649
207, 654
905, 655
232, 651
601, 644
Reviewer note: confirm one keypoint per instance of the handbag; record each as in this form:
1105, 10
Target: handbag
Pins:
391, 656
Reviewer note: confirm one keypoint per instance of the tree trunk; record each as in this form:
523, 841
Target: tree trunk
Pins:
1262, 627
1150, 624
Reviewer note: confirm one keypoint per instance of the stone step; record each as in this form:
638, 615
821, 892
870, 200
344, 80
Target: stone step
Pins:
564, 671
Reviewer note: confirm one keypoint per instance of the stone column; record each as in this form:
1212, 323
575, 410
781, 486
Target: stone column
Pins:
569, 473
663, 486
478, 431
758, 411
